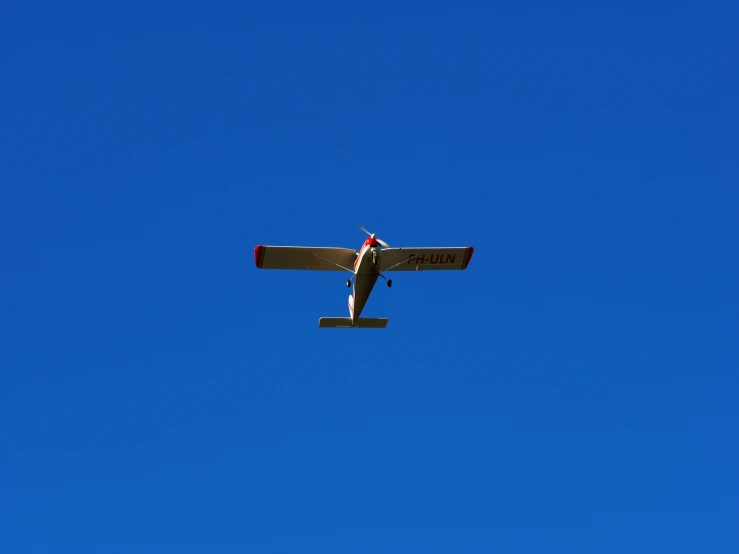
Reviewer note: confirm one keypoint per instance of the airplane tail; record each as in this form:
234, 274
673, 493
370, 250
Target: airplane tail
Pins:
361, 323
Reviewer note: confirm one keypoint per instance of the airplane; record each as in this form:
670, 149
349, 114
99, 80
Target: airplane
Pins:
366, 265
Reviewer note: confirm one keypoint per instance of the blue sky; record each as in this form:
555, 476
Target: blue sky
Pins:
574, 390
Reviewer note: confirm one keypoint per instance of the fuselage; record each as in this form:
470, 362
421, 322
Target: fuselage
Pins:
366, 273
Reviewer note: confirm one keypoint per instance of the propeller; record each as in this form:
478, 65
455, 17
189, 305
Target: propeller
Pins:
382, 242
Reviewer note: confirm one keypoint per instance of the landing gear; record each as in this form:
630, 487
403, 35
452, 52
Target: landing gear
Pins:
348, 283
389, 283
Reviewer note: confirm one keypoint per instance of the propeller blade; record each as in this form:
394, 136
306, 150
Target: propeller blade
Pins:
382, 242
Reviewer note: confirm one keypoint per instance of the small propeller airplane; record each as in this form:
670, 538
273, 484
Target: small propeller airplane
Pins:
366, 265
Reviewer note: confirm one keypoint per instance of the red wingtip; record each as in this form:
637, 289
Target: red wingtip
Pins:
467, 257
259, 255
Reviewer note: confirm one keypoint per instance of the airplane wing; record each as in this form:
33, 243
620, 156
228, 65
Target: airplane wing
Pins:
426, 258
304, 257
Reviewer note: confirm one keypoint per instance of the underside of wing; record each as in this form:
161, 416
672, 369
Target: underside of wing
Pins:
425, 258
304, 257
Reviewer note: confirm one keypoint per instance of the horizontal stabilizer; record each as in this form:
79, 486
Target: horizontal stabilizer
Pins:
362, 322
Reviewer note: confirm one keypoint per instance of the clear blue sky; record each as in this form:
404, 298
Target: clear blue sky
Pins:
573, 391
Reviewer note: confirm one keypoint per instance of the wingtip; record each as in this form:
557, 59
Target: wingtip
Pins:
468, 256
259, 255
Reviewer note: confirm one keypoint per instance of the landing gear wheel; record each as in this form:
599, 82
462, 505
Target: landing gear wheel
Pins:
348, 283
390, 283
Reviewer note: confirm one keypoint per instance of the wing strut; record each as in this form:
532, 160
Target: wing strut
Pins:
401, 263
334, 263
